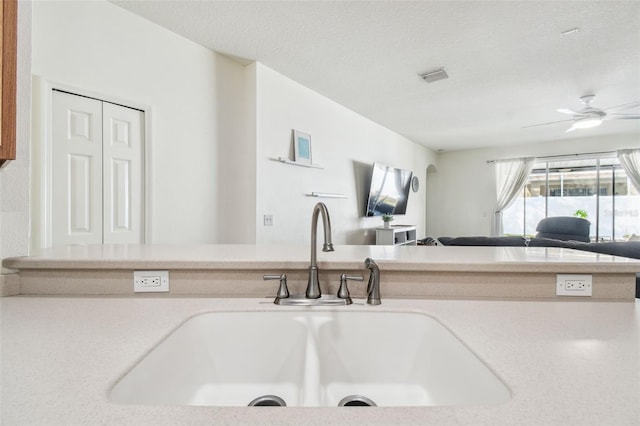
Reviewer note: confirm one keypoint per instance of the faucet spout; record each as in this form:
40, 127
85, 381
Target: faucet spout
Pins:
313, 284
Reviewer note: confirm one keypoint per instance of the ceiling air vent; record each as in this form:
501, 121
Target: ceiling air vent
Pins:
434, 75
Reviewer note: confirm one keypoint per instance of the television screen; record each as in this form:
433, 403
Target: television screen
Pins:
389, 190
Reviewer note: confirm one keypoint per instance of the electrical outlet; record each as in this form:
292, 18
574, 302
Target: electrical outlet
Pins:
268, 220
150, 281
573, 285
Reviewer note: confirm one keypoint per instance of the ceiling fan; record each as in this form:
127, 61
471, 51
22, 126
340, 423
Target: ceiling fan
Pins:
589, 116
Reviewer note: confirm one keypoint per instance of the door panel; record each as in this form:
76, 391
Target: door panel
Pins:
80, 168
121, 196
122, 159
77, 170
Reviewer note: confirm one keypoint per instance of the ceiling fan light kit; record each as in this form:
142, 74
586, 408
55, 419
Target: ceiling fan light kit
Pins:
585, 123
589, 117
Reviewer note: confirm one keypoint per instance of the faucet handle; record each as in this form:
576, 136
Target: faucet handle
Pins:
343, 291
373, 288
283, 291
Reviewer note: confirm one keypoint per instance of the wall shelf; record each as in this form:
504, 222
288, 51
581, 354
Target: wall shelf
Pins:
326, 195
293, 163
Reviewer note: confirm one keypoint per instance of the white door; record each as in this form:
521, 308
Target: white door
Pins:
77, 170
97, 172
122, 174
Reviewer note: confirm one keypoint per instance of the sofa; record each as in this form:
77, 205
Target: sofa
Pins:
629, 249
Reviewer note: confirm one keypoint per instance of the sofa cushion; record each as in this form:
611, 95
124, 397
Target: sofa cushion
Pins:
616, 248
552, 242
564, 225
483, 241
564, 228
563, 237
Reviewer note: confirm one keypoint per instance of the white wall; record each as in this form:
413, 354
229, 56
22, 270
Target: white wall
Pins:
344, 143
237, 170
466, 194
195, 96
14, 177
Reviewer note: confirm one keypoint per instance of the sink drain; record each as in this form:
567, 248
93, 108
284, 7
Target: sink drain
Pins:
356, 401
268, 401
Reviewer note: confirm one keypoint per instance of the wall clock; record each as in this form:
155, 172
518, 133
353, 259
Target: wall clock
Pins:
415, 183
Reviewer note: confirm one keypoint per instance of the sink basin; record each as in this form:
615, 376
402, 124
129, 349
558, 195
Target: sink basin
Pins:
401, 359
311, 358
221, 359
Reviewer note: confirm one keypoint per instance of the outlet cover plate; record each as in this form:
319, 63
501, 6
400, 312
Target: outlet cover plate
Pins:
574, 285
150, 281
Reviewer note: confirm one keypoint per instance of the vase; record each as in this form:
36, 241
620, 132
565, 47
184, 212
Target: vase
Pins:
387, 224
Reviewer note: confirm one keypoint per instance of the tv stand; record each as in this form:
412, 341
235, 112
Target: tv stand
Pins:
398, 235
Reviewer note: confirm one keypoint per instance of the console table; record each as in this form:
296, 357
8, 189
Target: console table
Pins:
398, 235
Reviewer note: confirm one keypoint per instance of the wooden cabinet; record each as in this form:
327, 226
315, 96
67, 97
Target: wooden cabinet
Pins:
399, 235
8, 57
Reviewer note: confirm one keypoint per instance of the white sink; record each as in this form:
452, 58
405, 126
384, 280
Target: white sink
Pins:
221, 359
401, 359
310, 358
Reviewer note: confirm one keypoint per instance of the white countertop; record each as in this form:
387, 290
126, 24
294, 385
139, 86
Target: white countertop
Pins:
251, 257
565, 362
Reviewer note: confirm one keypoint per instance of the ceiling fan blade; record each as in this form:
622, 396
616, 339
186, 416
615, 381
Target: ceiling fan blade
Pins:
624, 106
622, 116
545, 124
569, 111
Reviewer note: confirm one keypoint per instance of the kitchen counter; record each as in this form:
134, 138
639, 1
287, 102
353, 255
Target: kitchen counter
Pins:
260, 257
565, 362
406, 271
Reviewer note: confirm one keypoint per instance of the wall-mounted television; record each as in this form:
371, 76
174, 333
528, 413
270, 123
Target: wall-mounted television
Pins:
388, 191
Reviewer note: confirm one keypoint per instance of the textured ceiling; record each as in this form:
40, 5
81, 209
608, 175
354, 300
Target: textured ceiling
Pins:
508, 64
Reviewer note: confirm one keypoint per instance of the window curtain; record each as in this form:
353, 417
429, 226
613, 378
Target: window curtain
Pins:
630, 162
511, 176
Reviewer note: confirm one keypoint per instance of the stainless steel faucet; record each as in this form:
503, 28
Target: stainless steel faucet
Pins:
373, 288
313, 284
313, 296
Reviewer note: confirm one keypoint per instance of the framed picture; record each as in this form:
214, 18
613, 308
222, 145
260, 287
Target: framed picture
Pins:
301, 147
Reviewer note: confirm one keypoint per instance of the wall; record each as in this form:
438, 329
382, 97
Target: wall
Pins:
195, 97
344, 143
14, 177
237, 170
466, 195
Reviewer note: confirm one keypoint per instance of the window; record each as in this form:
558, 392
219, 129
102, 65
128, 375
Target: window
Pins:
597, 186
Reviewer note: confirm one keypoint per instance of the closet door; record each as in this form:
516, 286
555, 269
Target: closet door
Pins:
122, 171
97, 172
77, 170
